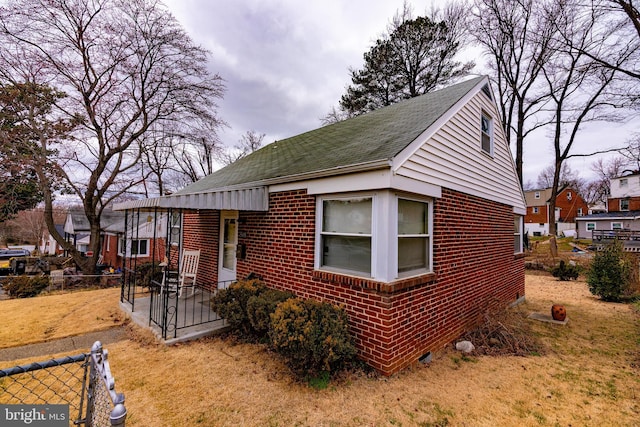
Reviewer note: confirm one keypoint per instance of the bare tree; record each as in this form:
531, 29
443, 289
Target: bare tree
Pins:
125, 67
577, 84
599, 190
568, 178
249, 142
516, 37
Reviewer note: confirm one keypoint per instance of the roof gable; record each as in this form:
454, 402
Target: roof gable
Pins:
377, 136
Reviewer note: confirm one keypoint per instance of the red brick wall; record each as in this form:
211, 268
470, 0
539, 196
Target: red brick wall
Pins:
393, 323
536, 218
614, 204
569, 205
201, 230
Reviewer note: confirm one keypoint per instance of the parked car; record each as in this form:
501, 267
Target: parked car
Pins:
5, 259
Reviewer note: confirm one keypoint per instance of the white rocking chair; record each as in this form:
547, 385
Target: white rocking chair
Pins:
174, 282
188, 271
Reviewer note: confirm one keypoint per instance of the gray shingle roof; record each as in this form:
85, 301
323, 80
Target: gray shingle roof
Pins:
376, 136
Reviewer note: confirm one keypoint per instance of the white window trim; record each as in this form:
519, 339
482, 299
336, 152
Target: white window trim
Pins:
520, 234
128, 244
484, 115
384, 235
616, 222
535, 210
592, 223
620, 204
395, 236
536, 195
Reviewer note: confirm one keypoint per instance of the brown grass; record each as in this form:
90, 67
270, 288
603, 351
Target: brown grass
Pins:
32, 320
588, 376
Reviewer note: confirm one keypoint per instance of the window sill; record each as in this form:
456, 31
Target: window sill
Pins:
393, 287
519, 256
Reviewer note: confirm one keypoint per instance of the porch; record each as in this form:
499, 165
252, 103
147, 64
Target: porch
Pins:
172, 318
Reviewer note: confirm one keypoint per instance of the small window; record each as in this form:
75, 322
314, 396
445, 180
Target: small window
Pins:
624, 204
413, 236
517, 234
537, 195
591, 226
569, 195
137, 248
579, 211
487, 133
346, 234
616, 226
535, 210
623, 182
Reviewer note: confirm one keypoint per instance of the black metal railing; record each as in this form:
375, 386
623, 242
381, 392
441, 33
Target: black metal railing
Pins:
172, 312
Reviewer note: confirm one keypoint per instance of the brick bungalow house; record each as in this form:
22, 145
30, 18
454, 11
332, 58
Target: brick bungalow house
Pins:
569, 206
410, 217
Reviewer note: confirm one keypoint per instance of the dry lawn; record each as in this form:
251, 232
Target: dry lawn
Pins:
587, 376
33, 320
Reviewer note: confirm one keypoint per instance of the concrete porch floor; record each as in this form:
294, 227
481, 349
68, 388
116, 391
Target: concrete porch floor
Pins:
190, 309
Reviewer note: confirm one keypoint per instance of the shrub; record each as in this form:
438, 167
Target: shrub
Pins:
25, 286
147, 272
260, 307
231, 303
565, 271
312, 336
610, 273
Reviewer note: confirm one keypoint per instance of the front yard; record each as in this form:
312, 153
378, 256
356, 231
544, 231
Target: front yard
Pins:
587, 376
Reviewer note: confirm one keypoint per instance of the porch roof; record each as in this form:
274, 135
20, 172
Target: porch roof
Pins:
240, 199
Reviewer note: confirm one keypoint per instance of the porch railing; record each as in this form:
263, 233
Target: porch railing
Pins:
172, 313
629, 238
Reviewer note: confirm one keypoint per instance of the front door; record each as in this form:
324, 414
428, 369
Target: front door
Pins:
228, 245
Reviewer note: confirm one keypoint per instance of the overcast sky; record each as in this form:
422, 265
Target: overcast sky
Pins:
286, 62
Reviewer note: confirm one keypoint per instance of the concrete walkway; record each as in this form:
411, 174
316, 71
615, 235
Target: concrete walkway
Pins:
69, 345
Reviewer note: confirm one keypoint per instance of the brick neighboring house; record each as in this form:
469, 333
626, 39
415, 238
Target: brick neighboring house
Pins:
409, 216
623, 208
569, 206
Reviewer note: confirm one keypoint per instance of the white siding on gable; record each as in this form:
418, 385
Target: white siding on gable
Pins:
630, 186
452, 156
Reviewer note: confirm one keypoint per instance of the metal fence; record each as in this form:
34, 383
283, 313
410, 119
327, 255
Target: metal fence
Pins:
83, 381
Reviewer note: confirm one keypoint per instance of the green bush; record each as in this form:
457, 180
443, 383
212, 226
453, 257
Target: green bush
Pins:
312, 336
260, 307
565, 271
610, 273
147, 272
231, 303
25, 286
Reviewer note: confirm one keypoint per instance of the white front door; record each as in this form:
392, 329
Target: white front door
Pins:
227, 251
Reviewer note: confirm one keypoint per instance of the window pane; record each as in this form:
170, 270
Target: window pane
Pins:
347, 216
413, 217
412, 253
143, 247
516, 224
517, 248
347, 252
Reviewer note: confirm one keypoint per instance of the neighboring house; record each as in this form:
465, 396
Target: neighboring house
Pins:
78, 232
48, 245
569, 206
623, 209
145, 242
410, 217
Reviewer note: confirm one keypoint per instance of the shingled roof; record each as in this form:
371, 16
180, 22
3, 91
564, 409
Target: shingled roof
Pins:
377, 136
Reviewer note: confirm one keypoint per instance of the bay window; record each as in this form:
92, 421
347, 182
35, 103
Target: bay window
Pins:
346, 234
383, 236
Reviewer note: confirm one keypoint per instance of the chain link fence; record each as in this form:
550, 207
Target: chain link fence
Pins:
84, 382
